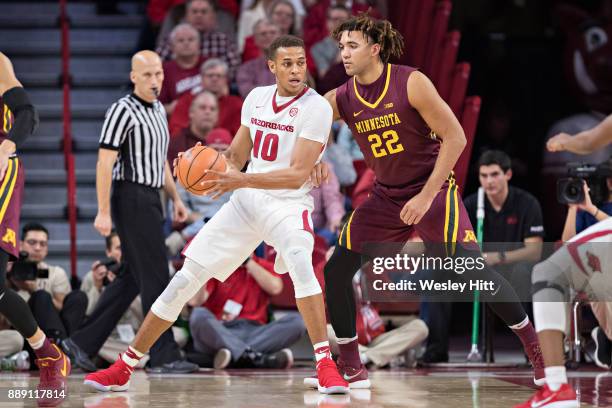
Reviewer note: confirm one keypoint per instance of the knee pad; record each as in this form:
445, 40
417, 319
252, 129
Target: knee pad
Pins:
181, 288
550, 316
548, 283
297, 258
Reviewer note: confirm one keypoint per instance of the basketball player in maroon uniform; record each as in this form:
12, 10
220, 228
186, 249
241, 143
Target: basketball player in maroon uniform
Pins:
411, 139
18, 120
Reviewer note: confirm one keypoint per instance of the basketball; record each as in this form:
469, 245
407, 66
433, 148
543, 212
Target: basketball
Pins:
192, 165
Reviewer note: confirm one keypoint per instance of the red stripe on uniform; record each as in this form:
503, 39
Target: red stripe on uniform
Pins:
307, 226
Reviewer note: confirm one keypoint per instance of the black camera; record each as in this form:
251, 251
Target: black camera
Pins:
111, 265
570, 190
25, 270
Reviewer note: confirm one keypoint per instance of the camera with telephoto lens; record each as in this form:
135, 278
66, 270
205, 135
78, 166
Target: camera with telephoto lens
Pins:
570, 190
26, 270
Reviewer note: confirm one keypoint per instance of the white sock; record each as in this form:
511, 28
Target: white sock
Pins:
520, 325
131, 357
555, 377
321, 350
39, 343
364, 358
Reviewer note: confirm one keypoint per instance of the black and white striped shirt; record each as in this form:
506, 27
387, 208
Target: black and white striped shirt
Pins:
138, 130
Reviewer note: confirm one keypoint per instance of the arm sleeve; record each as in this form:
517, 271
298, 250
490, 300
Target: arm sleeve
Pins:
116, 125
534, 221
26, 117
317, 122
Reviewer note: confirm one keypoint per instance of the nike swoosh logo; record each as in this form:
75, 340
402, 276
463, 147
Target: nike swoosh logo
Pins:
350, 377
540, 403
355, 114
64, 369
257, 107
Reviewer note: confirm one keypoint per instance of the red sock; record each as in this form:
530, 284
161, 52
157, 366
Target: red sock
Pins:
47, 350
349, 352
527, 334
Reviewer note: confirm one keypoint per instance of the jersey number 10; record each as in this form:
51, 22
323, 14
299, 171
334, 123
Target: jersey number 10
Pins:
269, 147
392, 146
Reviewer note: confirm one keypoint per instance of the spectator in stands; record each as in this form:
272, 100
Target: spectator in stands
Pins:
57, 308
346, 140
326, 52
248, 19
513, 231
201, 14
580, 217
182, 72
282, 14
255, 72
214, 74
328, 208
203, 119
232, 323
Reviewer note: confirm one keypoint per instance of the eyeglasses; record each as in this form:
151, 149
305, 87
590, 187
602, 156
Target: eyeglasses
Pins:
214, 75
34, 242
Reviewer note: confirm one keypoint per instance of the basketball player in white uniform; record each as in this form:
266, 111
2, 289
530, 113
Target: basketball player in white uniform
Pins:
584, 263
283, 132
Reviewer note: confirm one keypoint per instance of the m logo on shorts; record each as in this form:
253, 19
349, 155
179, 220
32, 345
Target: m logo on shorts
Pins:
469, 236
10, 237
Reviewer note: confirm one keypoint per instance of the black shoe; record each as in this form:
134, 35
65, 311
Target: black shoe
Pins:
77, 356
432, 358
174, 367
280, 360
603, 348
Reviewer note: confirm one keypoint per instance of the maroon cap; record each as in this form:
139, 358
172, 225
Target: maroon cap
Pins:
219, 137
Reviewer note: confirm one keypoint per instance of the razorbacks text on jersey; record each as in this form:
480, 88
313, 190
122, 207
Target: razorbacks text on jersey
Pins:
276, 122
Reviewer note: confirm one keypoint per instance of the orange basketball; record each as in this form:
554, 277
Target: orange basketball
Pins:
192, 165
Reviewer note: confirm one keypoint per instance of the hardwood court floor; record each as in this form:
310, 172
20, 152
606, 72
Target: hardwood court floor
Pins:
455, 388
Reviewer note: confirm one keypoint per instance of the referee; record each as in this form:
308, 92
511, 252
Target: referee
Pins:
132, 157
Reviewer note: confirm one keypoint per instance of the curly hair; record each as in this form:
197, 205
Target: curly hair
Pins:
378, 32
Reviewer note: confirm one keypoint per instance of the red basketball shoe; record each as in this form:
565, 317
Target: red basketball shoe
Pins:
53, 374
356, 378
564, 397
114, 378
329, 380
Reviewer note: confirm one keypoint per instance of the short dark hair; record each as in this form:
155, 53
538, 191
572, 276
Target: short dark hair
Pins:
338, 7
33, 226
284, 41
495, 157
109, 239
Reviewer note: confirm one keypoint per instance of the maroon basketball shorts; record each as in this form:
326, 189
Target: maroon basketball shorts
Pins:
11, 188
377, 220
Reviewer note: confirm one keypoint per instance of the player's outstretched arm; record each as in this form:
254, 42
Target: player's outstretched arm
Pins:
239, 151
584, 142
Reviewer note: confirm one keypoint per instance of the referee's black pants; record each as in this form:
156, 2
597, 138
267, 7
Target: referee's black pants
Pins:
138, 218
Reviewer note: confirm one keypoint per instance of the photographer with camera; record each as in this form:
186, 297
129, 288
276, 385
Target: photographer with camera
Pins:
46, 288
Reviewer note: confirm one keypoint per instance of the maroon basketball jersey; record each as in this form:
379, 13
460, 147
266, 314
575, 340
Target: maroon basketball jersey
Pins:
6, 120
395, 140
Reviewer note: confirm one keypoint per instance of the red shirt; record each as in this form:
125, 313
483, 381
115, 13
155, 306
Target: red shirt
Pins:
178, 81
230, 107
242, 288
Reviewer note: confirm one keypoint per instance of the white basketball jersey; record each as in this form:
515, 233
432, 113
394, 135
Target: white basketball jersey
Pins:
275, 124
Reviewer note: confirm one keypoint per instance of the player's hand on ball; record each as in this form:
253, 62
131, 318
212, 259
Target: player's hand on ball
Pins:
177, 158
557, 142
319, 174
229, 180
103, 224
416, 208
180, 211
